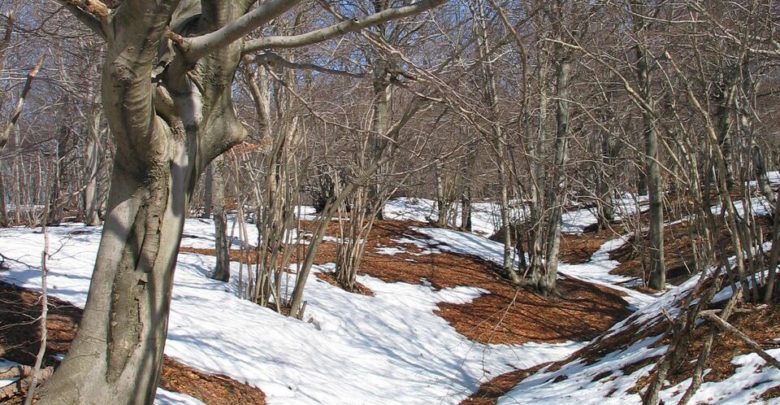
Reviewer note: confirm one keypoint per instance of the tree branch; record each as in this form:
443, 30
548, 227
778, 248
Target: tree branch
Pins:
341, 28
272, 59
197, 47
755, 347
19, 104
92, 13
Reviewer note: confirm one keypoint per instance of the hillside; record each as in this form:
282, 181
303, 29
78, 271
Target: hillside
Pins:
435, 324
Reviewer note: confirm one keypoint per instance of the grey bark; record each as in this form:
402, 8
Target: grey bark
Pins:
605, 173
499, 141
221, 242
117, 353
91, 192
170, 113
208, 193
379, 128
657, 278
3, 208
544, 273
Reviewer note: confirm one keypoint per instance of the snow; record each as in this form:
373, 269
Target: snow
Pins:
164, 397
749, 381
596, 271
485, 216
773, 178
387, 349
390, 348
574, 383
486, 219
5, 365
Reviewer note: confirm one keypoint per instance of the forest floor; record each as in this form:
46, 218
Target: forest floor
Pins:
585, 308
504, 315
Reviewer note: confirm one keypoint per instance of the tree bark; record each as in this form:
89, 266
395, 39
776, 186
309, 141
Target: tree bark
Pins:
657, 279
221, 245
91, 195
3, 208
544, 277
160, 152
208, 193
379, 127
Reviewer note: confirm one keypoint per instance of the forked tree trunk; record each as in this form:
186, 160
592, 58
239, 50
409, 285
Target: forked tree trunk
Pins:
544, 276
165, 132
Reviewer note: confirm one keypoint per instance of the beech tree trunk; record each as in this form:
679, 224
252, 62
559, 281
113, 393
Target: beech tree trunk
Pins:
91, 195
165, 131
167, 96
379, 126
208, 193
222, 244
3, 208
657, 279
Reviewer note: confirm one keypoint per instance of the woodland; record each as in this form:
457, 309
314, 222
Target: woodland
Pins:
212, 201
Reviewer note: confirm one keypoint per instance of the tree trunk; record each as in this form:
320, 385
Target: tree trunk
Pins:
166, 131
544, 277
91, 195
604, 172
379, 128
122, 333
208, 193
221, 245
442, 202
3, 208
54, 210
657, 279
465, 209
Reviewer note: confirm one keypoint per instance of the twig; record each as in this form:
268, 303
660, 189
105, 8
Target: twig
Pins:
44, 315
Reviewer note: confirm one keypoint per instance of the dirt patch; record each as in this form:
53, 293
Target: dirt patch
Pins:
331, 279
20, 340
490, 392
578, 249
211, 389
678, 251
505, 314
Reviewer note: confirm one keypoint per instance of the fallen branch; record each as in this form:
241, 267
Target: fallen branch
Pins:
727, 327
701, 363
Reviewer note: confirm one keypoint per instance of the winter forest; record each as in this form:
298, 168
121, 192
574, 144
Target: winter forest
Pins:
389, 202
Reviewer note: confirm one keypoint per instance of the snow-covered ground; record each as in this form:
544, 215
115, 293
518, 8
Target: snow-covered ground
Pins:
390, 348
386, 349
606, 382
486, 219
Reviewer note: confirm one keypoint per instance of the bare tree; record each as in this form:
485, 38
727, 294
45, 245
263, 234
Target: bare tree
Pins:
167, 96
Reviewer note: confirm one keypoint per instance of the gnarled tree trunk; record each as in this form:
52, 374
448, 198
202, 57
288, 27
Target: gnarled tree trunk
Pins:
166, 130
